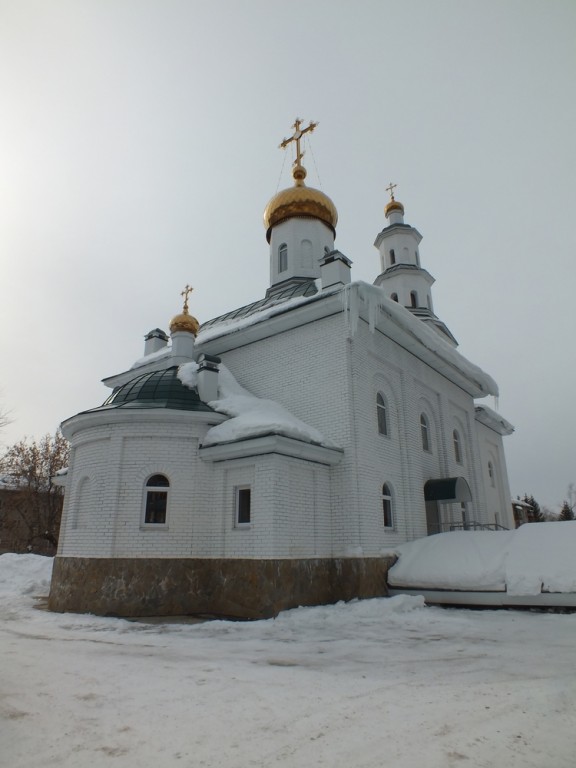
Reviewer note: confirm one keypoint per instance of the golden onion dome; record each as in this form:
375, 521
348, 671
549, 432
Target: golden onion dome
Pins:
393, 205
184, 321
300, 201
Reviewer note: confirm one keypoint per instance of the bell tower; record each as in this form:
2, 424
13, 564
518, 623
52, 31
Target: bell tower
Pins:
402, 277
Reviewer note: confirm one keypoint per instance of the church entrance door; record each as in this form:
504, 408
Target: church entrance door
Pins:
432, 517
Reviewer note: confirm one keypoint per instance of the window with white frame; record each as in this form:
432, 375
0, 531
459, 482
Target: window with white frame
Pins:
425, 432
382, 413
156, 501
283, 258
242, 506
387, 506
457, 446
413, 299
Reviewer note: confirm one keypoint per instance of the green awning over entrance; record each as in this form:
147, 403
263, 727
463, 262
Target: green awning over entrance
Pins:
447, 489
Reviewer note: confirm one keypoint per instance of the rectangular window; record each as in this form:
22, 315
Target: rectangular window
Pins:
155, 513
243, 505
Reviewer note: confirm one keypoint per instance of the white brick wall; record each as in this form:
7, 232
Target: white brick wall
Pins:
497, 491
299, 509
331, 380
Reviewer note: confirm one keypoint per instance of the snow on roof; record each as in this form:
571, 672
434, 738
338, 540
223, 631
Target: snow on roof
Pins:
250, 416
376, 303
358, 298
370, 300
275, 295
237, 323
490, 418
187, 374
536, 557
152, 357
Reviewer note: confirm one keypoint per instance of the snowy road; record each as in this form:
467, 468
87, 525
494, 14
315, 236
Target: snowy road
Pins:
373, 683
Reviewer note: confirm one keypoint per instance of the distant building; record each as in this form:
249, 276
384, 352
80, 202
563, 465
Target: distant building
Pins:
272, 457
522, 512
23, 519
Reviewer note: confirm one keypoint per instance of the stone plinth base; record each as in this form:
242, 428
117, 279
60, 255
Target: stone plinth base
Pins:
238, 588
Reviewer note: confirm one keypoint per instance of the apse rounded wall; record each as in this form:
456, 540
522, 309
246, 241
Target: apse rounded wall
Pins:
116, 452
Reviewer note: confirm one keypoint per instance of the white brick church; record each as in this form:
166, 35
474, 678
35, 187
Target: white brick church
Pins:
272, 456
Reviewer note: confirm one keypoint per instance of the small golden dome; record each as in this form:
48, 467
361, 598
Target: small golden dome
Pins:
185, 321
300, 200
393, 205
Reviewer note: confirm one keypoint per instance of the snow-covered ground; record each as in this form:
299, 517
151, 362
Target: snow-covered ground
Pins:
361, 685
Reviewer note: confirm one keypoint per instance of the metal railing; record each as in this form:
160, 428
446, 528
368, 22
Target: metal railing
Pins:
472, 525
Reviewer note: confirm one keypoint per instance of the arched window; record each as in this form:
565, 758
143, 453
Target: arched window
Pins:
429, 302
413, 299
283, 258
425, 432
417, 257
156, 500
457, 447
387, 506
392, 256
382, 412
491, 474
394, 297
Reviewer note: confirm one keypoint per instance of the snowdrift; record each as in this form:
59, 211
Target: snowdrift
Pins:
25, 574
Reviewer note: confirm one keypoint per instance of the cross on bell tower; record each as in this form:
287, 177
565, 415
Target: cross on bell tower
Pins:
390, 188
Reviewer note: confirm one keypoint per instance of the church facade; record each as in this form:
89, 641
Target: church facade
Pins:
277, 454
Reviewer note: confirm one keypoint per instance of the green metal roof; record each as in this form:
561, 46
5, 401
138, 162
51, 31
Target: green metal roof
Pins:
158, 389
277, 295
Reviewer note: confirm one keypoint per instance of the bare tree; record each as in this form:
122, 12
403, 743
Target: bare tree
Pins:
4, 419
34, 506
548, 515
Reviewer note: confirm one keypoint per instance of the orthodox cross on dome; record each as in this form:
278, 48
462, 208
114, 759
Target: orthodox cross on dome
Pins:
186, 292
296, 136
390, 188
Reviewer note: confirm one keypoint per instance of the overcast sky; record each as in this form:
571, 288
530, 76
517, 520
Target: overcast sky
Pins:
139, 147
